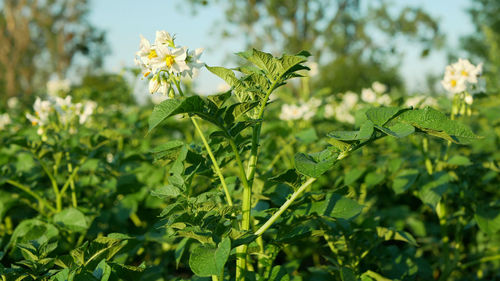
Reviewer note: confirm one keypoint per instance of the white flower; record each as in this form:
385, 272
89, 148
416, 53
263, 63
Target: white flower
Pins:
384, 100
314, 103
453, 83
379, 88
109, 157
58, 87
88, 109
4, 120
467, 70
193, 62
154, 84
164, 38
343, 114
350, 99
313, 66
291, 112
414, 101
368, 95
469, 99
12, 102
329, 111
156, 98
42, 110
223, 87
172, 61
460, 76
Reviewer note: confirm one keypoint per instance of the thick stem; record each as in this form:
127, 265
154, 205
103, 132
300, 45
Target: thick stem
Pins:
241, 251
214, 162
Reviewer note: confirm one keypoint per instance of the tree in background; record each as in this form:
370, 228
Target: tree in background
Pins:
354, 41
484, 44
42, 38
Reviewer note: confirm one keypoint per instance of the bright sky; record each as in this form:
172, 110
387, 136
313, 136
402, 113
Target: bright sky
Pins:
124, 20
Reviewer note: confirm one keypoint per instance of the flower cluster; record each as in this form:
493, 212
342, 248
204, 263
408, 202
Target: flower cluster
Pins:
56, 87
376, 94
342, 110
301, 111
462, 76
60, 110
421, 101
164, 62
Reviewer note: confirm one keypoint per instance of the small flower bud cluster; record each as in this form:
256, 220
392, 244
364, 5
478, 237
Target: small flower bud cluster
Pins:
164, 62
376, 94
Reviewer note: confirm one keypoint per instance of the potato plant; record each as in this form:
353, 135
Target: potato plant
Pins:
227, 187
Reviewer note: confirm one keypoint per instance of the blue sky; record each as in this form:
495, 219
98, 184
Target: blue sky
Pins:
124, 20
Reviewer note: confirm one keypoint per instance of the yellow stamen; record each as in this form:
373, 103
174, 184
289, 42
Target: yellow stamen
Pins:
453, 83
169, 60
147, 73
464, 73
152, 54
34, 123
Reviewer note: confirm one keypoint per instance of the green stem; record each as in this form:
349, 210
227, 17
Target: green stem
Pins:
241, 251
285, 206
209, 151
41, 201
74, 200
214, 162
53, 181
481, 260
252, 162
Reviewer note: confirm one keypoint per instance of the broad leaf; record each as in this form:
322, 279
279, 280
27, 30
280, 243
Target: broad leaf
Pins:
206, 260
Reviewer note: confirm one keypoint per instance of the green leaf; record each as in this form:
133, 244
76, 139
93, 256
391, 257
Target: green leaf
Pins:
459, 160
102, 271
170, 107
488, 219
347, 274
333, 205
166, 191
353, 175
278, 273
365, 132
206, 260
289, 177
168, 150
436, 123
398, 130
219, 99
32, 230
404, 180
315, 164
71, 219
389, 234
432, 191
226, 75
381, 115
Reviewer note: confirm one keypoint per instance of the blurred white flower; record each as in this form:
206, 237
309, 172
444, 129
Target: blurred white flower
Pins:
350, 99
109, 157
379, 88
414, 101
193, 62
296, 112
314, 68
4, 120
57, 87
314, 103
12, 102
384, 100
343, 114
329, 111
88, 109
368, 95
157, 98
469, 99
223, 87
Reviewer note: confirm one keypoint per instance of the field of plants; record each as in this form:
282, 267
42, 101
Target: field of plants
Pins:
276, 177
